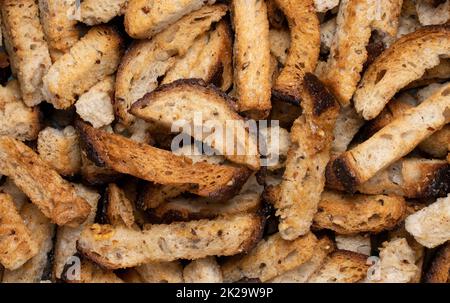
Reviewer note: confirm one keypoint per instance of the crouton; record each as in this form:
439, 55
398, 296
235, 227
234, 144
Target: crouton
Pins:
26, 46
204, 270
275, 15
91, 59
392, 142
347, 126
16, 119
19, 198
92, 273
60, 149
94, 12
274, 146
394, 70
119, 209
430, 14
119, 247
437, 144
53, 195
163, 272
96, 175
304, 177
431, 225
325, 5
327, 32
439, 271
184, 100
356, 243
270, 258
59, 24
42, 232
348, 215
252, 78
280, 41
303, 51
386, 21
17, 245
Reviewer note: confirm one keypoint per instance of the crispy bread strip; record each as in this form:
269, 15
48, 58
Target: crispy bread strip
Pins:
358, 243
303, 51
96, 175
270, 258
439, 271
183, 100
119, 208
347, 126
153, 195
54, 196
160, 166
347, 214
395, 69
147, 60
26, 47
101, 11
120, 247
204, 270
252, 77
437, 144
16, 244
391, 143
280, 40
161, 272
341, 266
92, 273
431, 14
42, 232
387, 19
57, 17
91, 59
304, 178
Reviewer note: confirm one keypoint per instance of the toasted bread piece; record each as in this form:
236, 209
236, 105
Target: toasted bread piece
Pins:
439, 271
54, 196
327, 32
394, 69
347, 126
66, 237
208, 59
184, 100
387, 20
60, 149
325, 5
119, 209
16, 245
437, 144
439, 73
431, 226
357, 243
90, 60
145, 18
285, 113
16, 119
204, 270
304, 178
59, 24
26, 46
274, 143
120, 247
303, 51
302, 273
392, 142
19, 198
92, 273
430, 14
270, 258
348, 215
147, 60
161, 166
154, 195
252, 77
96, 175
42, 231
96, 105
276, 17
94, 12
341, 266
162, 272
280, 41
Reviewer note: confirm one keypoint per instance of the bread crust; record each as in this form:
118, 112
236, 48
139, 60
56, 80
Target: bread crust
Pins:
101, 11
440, 266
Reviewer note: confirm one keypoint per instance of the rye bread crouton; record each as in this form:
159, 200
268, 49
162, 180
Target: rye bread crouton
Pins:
26, 46
439, 271
94, 12
204, 270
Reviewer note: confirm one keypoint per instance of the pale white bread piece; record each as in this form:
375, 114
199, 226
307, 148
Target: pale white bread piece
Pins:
252, 78
393, 69
209, 59
94, 12
19, 198
274, 146
96, 105
66, 237
119, 247
304, 49
357, 243
119, 209
42, 231
270, 258
430, 14
89, 61
162, 272
437, 144
426, 92
147, 60
341, 266
54, 196
327, 32
60, 149
59, 24
304, 177
386, 20
204, 270
17, 245
16, 119
439, 271
431, 225
145, 18
161, 166
439, 73
26, 46
350, 214
92, 273
407, 24
280, 41
197, 104
392, 142
302, 273
323, 6
347, 126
